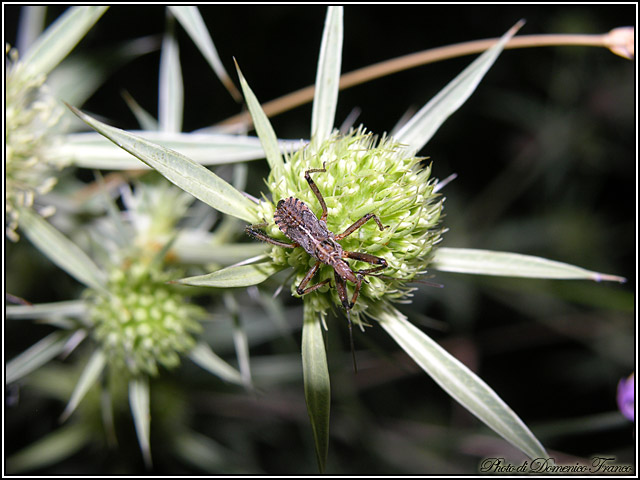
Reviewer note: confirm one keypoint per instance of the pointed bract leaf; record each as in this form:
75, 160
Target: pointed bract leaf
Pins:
122, 237
51, 449
207, 455
30, 25
242, 354
140, 409
328, 77
36, 356
61, 37
191, 20
89, 377
94, 68
317, 387
262, 125
240, 340
73, 308
198, 250
90, 150
171, 88
488, 262
461, 383
180, 170
234, 276
418, 131
203, 356
60, 250
146, 121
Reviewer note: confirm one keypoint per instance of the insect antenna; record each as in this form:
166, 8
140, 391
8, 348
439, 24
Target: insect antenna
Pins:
353, 350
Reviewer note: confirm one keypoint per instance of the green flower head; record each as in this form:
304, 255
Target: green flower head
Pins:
363, 175
142, 321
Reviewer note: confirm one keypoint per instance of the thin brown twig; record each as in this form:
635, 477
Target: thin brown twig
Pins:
388, 67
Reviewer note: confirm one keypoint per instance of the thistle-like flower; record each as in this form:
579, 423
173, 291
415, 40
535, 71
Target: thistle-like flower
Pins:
31, 115
363, 175
141, 321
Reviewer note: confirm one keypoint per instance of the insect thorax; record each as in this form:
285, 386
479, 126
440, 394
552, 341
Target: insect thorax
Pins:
328, 251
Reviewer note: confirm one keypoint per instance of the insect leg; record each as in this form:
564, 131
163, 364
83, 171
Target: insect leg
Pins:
356, 291
358, 224
315, 190
341, 287
266, 238
301, 290
365, 257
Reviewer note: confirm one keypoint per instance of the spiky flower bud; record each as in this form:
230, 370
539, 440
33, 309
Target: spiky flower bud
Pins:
364, 175
142, 321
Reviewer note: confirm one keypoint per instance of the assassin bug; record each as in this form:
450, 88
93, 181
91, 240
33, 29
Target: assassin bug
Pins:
306, 230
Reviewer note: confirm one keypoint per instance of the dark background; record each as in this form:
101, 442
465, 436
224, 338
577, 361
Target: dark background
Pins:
545, 156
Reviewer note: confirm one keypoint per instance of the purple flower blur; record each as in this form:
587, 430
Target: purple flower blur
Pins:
626, 397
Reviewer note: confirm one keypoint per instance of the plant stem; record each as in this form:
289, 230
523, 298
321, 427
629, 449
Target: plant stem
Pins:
432, 55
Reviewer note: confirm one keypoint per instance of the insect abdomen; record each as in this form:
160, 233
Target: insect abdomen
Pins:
299, 223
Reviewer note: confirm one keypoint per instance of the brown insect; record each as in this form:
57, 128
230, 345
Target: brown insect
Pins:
306, 230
